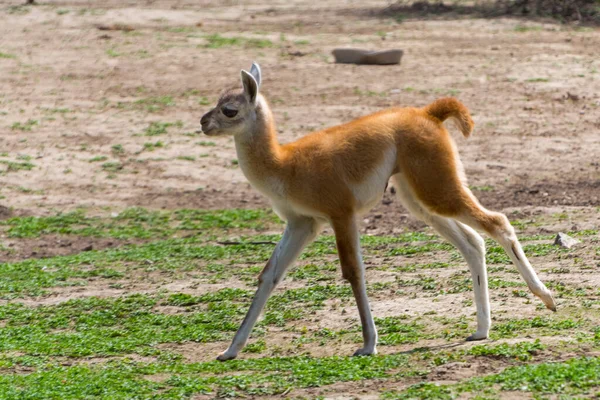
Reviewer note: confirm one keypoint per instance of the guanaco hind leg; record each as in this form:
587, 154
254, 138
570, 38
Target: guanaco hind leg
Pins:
466, 209
497, 226
467, 241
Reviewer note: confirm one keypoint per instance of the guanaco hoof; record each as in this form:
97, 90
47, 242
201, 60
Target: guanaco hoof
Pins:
474, 337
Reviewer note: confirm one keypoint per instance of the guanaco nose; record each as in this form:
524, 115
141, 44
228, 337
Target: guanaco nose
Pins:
204, 121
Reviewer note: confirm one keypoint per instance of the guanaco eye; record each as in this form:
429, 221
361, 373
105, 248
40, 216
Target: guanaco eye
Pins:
229, 111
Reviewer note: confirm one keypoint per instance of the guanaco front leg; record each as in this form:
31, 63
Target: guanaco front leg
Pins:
348, 244
299, 232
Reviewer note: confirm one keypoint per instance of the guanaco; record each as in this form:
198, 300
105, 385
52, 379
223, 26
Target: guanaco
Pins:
335, 175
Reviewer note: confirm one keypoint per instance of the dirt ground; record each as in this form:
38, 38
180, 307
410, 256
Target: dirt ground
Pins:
85, 84
533, 89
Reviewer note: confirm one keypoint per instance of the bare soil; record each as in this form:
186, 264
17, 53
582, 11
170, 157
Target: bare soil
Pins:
55, 245
71, 93
533, 93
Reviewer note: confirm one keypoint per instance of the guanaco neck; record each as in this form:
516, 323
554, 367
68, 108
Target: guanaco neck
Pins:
258, 150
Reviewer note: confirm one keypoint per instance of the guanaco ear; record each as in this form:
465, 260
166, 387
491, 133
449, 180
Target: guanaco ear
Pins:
255, 71
250, 86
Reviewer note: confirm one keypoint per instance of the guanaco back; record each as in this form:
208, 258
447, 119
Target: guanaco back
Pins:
335, 175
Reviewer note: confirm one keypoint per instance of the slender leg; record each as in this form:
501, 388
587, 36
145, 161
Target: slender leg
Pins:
348, 244
498, 227
299, 232
470, 244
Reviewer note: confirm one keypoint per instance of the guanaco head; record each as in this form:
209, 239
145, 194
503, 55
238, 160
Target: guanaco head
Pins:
236, 110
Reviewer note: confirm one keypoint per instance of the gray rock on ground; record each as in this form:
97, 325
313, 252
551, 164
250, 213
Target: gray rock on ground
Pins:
564, 240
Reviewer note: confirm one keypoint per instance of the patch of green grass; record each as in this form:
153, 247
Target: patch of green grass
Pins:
27, 126
485, 188
142, 54
125, 325
113, 53
522, 351
149, 146
537, 80
58, 110
186, 158
257, 347
511, 327
563, 290
416, 267
315, 272
98, 159
520, 293
12, 166
499, 283
160, 128
497, 255
101, 326
223, 219
44, 349
426, 283
379, 244
30, 277
425, 248
585, 232
395, 331
113, 166
7, 55
154, 104
368, 93
573, 377
284, 307
138, 223
77, 382
216, 41
526, 28
117, 150
247, 378
27, 190
19, 9
181, 29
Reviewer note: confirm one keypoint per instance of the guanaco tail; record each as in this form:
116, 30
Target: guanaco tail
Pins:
335, 175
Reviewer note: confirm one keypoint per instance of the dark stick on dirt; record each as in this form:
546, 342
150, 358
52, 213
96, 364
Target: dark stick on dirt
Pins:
229, 243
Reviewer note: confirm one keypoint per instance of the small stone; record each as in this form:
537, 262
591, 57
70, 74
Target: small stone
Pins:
564, 240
